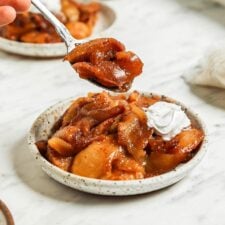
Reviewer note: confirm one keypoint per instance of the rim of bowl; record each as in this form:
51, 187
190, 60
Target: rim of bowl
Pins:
179, 170
61, 44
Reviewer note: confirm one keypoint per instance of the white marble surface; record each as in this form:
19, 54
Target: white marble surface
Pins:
169, 35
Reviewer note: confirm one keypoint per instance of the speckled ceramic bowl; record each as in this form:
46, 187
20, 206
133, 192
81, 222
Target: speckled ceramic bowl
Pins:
103, 28
42, 128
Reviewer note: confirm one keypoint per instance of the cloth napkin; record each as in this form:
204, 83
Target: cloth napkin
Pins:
222, 2
210, 70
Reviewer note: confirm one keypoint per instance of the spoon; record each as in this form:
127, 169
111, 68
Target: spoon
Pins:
63, 32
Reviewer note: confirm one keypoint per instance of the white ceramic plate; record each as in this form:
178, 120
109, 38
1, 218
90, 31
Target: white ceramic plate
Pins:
41, 129
104, 24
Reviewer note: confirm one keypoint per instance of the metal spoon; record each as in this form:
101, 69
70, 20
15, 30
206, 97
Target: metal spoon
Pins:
69, 40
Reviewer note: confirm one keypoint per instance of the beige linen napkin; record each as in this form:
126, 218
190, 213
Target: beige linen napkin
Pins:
210, 70
222, 2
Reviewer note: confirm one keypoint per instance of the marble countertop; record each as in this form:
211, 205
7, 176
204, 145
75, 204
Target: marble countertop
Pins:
169, 35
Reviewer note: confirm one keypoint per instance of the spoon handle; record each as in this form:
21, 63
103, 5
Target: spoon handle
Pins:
60, 28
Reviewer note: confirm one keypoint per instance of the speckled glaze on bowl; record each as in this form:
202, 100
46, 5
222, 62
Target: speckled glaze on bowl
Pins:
42, 128
103, 28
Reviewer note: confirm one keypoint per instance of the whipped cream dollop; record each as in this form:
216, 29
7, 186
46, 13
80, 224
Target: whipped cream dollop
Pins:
167, 119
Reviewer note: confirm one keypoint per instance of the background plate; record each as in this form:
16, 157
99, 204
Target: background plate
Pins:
104, 24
